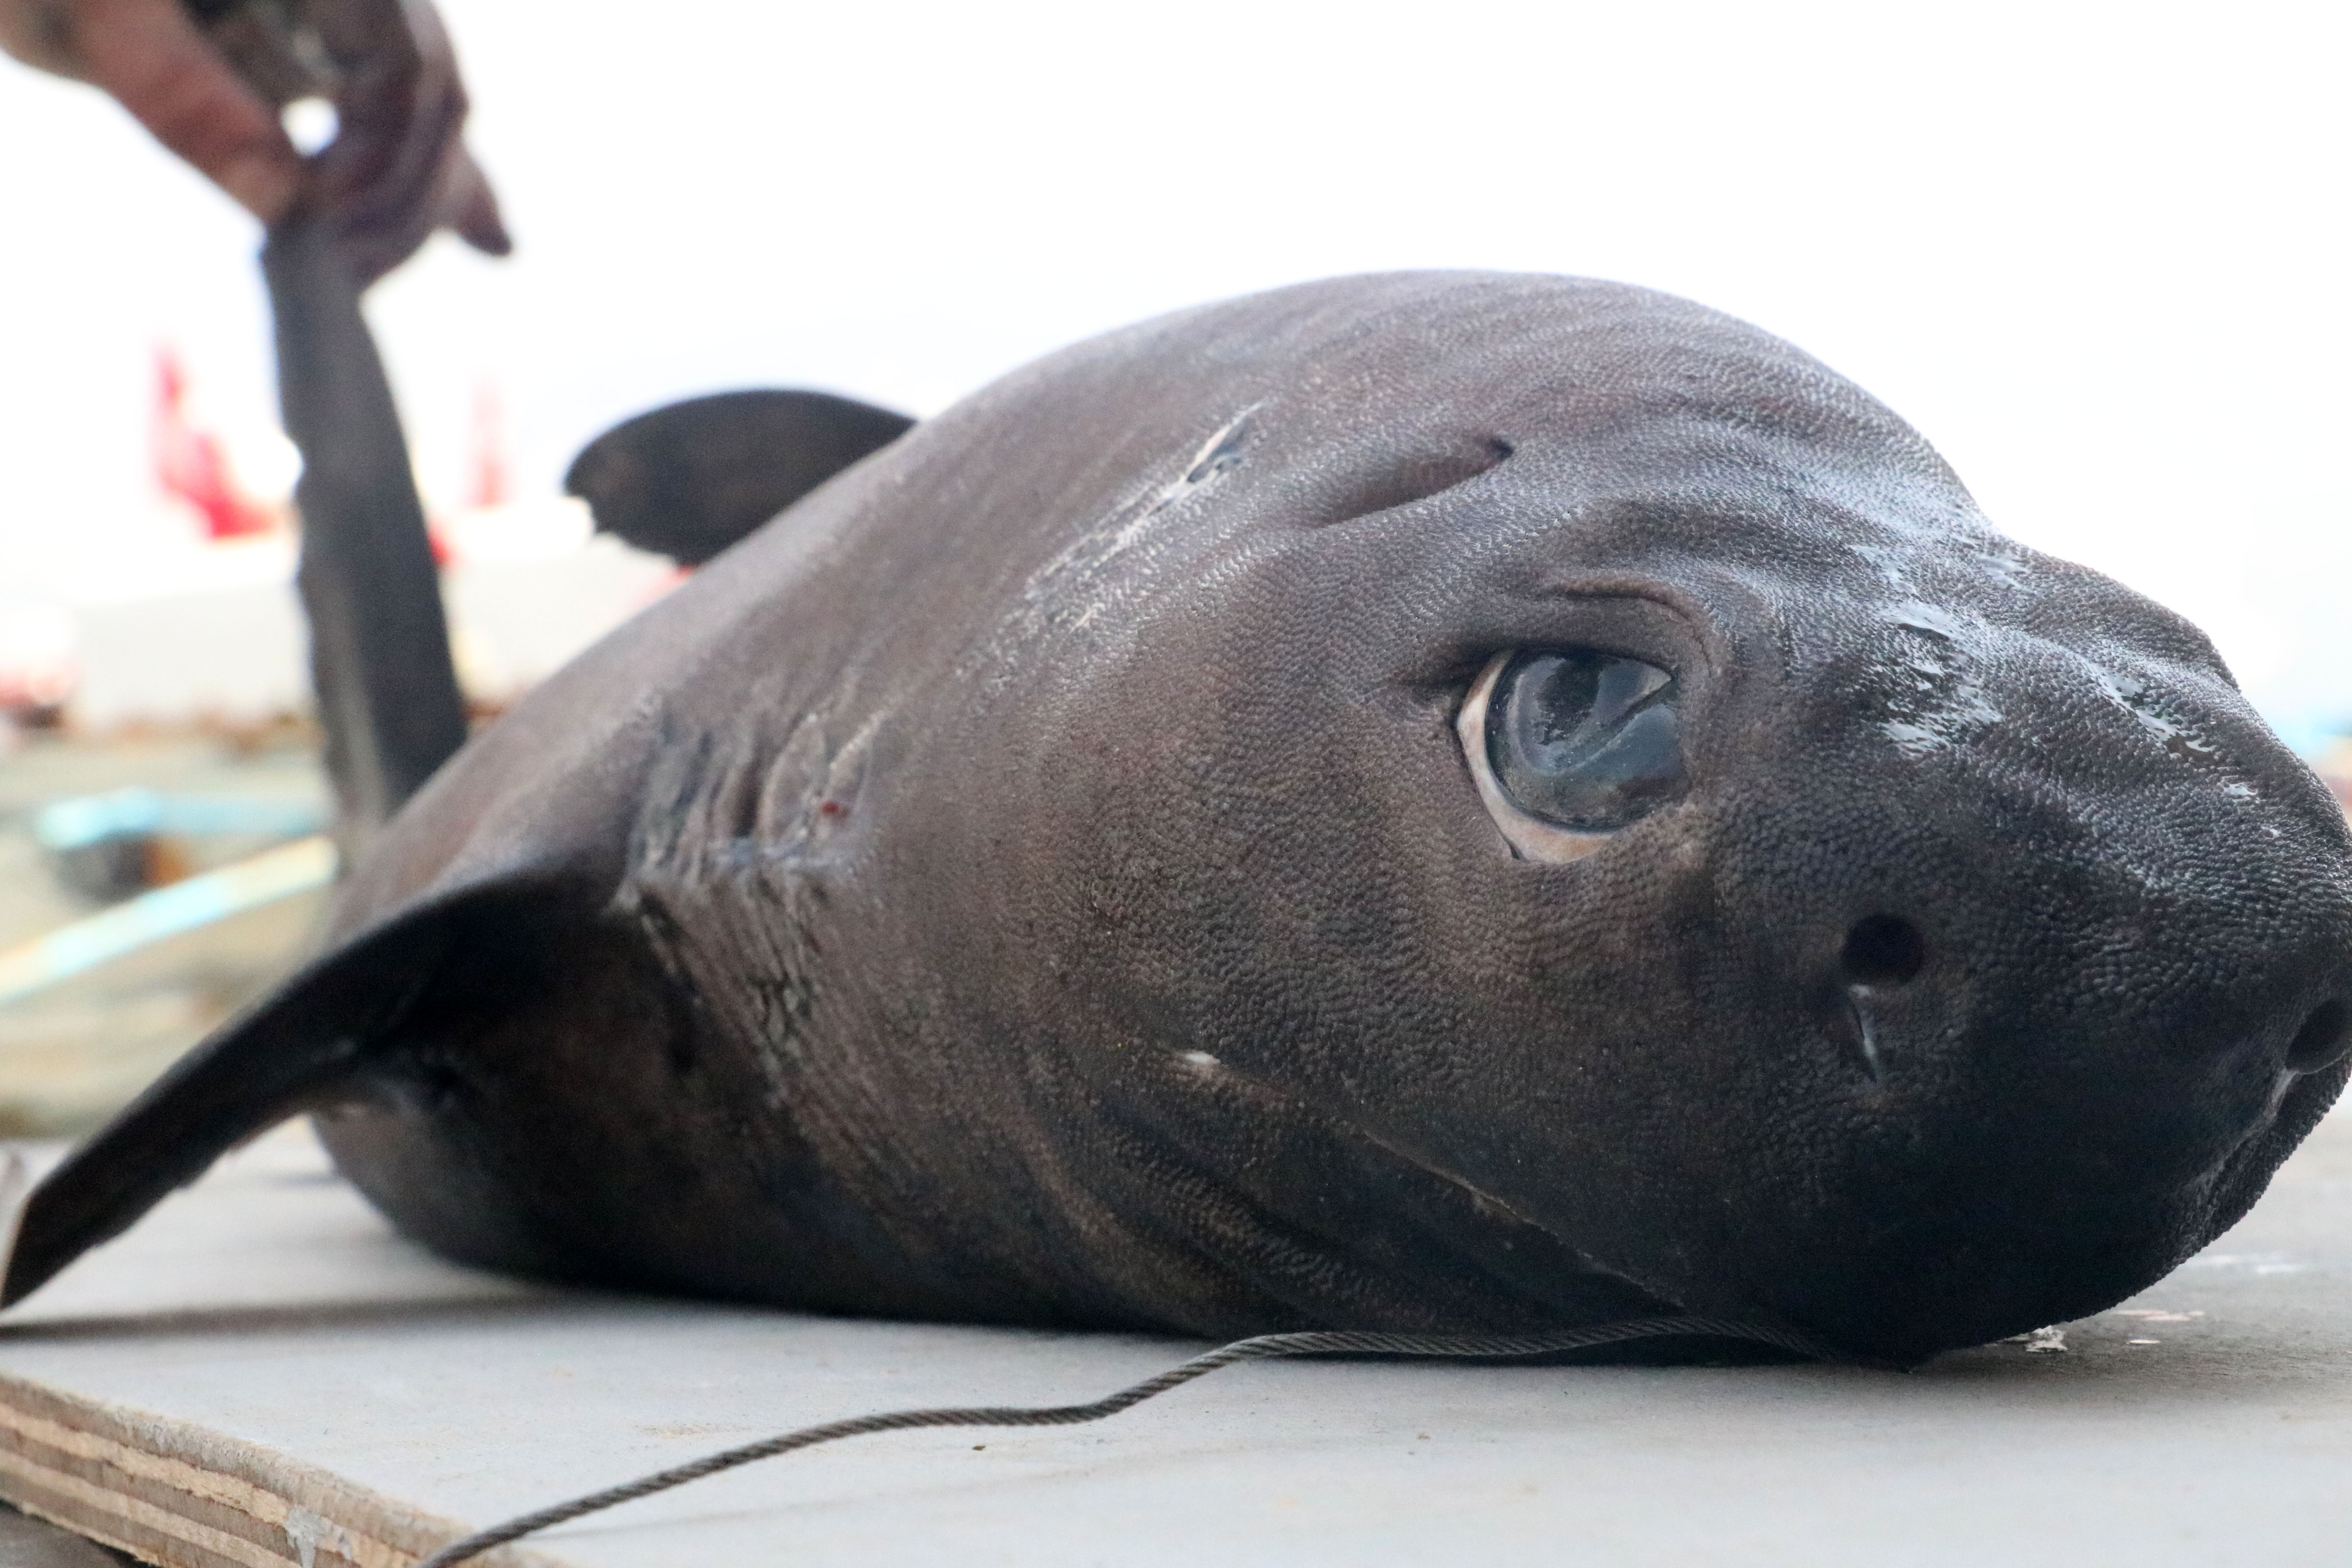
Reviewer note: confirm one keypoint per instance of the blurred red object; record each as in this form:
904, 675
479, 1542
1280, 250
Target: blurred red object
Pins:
189, 464
486, 484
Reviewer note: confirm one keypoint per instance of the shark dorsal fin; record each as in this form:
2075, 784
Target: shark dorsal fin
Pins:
688, 479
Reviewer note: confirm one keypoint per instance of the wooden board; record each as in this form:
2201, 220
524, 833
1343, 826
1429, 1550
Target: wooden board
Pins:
174, 1491
171, 1492
261, 1374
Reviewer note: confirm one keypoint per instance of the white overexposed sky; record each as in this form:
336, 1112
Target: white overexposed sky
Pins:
2095, 253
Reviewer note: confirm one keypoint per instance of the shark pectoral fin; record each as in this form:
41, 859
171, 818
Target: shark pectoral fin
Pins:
294, 1051
689, 479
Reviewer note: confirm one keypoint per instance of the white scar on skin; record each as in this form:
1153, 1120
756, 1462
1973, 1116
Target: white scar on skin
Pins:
1945, 706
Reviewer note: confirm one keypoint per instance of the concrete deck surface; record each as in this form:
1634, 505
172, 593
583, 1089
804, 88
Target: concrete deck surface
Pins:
2207, 1423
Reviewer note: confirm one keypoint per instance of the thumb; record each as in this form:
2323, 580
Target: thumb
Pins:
152, 59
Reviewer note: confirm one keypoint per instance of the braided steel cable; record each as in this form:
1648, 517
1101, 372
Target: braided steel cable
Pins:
1263, 1347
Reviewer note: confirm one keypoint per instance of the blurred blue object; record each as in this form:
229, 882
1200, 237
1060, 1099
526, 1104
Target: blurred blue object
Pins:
85, 820
185, 906
112, 846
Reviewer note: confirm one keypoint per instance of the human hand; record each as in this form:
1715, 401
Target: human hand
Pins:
209, 77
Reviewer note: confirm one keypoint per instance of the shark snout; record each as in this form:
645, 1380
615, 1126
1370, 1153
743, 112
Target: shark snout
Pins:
2018, 1157
1916, 991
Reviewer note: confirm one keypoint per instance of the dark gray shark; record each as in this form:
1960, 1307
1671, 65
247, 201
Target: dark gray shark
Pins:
1439, 802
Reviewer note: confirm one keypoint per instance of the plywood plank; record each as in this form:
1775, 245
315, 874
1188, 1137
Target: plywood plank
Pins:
261, 1364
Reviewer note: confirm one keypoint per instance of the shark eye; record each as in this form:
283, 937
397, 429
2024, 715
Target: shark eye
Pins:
1569, 744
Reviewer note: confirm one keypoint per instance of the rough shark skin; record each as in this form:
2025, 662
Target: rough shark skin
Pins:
1039, 877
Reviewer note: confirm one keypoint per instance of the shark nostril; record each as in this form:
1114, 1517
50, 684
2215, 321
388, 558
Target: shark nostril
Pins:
2322, 1041
1883, 949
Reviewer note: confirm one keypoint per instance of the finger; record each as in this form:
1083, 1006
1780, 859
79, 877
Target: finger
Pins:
40, 34
151, 58
400, 111
473, 211
383, 85
383, 224
463, 199
405, 172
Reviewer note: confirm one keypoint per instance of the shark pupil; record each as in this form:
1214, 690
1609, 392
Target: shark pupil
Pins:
1587, 740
